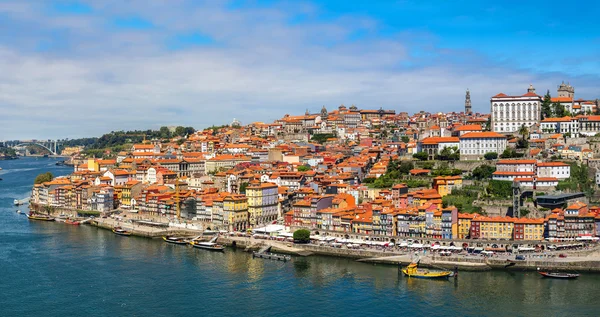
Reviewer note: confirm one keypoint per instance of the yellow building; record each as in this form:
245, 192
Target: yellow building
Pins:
263, 201
445, 184
235, 212
529, 229
500, 228
464, 225
93, 165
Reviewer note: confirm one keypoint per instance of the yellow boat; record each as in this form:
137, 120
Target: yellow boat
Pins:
412, 271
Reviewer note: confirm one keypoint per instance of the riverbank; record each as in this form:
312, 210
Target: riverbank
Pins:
588, 263
141, 230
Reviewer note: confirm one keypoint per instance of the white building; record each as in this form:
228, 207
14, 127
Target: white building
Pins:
475, 144
530, 171
560, 125
435, 145
509, 113
559, 170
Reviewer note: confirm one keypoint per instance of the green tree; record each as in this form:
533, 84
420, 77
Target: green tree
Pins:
490, 156
302, 236
405, 167
405, 139
304, 168
164, 133
422, 156
502, 189
243, 187
559, 110
449, 154
546, 106
44, 177
510, 153
483, 172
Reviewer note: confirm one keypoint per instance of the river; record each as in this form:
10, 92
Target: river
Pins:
53, 269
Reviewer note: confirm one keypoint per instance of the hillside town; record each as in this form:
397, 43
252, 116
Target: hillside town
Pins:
523, 171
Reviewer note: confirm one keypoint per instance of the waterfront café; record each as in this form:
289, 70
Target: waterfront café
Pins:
268, 231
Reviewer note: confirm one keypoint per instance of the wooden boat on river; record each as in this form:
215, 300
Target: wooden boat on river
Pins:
176, 240
412, 271
207, 246
120, 231
559, 275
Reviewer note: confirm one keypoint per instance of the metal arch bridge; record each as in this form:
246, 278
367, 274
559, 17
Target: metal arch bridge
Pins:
40, 144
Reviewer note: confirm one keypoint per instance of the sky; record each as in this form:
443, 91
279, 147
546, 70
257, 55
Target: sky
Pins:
73, 69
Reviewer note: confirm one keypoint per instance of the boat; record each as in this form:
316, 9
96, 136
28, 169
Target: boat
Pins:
559, 275
72, 222
175, 240
19, 211
207, 246
412, 271
40, 217
120, 231
17, 202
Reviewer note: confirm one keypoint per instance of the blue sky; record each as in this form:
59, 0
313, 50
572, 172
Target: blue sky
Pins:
83, 68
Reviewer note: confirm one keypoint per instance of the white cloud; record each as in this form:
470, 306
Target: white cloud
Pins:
260, 68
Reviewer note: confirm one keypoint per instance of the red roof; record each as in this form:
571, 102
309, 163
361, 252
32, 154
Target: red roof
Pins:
472, 135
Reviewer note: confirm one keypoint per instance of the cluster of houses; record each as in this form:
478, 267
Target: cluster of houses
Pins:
239, 177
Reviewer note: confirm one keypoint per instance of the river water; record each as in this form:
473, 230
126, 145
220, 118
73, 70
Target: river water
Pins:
53, 269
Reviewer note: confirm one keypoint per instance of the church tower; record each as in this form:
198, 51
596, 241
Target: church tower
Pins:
566, 90
468, 109
323, 113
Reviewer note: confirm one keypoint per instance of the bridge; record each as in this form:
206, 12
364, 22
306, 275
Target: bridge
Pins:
52, 146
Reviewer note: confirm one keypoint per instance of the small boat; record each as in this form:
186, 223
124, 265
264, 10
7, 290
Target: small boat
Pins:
207, 246
19, 211
17, 202
72, 222
412, 271
120, 231
40, 217
176, 240
559, 275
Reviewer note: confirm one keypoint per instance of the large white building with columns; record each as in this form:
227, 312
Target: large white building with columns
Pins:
509, 113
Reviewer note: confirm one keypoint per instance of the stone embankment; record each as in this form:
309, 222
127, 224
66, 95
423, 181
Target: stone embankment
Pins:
588, 261
142, 230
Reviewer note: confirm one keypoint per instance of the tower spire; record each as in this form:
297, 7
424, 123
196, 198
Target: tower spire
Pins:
468, 109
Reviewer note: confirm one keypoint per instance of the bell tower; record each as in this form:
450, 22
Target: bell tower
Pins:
468, 109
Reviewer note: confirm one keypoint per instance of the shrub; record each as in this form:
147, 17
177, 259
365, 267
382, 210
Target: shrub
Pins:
490, 155
302, 236
44, 177
422, 156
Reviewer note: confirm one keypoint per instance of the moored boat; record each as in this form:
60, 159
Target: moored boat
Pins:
72, 222
207, 246
40, 217
412, 271
17, 202
175, 240
120, 231
559, 275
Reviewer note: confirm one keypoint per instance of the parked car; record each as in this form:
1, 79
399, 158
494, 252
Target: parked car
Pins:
562, 255
520, 257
